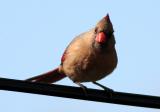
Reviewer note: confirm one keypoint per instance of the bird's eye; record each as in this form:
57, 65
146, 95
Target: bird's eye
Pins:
96, 29
110, 34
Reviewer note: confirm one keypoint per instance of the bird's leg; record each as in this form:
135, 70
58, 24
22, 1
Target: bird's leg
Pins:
100, 85
108, 90
84, 88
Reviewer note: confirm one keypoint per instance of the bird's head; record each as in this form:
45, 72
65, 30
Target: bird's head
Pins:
103, 33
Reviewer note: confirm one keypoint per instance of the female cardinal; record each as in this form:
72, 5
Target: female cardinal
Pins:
89, 57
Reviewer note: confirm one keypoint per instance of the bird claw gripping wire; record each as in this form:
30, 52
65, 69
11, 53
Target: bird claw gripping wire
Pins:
84, 88
106, 89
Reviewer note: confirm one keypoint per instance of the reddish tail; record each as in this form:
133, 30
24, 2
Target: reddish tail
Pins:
48, 77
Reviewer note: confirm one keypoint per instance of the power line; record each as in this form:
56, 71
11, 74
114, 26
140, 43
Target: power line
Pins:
78, 93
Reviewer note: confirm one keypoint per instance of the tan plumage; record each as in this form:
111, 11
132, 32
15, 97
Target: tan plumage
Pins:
89, 57
85, 63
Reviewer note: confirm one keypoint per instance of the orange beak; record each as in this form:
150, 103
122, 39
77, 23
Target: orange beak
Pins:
101, 37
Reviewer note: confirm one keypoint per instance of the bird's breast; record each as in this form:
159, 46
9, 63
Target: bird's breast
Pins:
83, 64
84, 67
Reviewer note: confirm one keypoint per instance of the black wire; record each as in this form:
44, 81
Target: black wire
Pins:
77, 93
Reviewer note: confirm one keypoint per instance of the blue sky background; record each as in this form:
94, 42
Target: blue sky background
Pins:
34, 34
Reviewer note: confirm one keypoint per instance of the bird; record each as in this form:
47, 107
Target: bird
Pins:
89, 57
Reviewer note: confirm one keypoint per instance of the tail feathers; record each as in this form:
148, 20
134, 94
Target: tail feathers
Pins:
49, 77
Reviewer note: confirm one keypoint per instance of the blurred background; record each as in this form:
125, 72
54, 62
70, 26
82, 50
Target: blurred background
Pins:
34, 34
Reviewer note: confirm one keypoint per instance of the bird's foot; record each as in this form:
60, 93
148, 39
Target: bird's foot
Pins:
84, 88
108, 90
